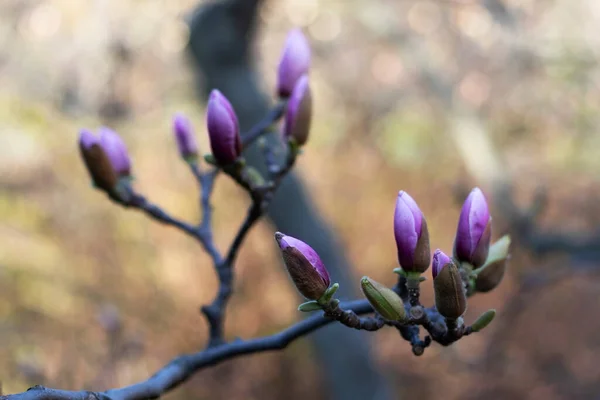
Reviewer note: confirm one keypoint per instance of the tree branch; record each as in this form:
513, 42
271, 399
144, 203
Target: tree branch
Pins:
263, 125
261, 197
181, 368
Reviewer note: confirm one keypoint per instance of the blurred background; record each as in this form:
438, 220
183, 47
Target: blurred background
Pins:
431, 97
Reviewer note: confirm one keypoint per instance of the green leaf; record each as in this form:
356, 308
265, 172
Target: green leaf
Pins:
400, 272
326, 298
310, 306
498, 252
483, 320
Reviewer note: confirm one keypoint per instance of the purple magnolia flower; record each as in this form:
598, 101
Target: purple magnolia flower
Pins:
223, 129
440, 260
184, 135
472, 241
299, 112
295, 62
412, 237
115, 149
304, 266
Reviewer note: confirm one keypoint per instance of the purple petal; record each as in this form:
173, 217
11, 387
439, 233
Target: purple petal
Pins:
415, 210
472, 222
294, 63
293, 105
223, 128
311, 256
407, 227
479, 216
184, 135
115, 149
87, 139
440, 260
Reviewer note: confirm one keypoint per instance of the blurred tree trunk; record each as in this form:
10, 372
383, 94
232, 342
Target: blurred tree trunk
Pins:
221, 44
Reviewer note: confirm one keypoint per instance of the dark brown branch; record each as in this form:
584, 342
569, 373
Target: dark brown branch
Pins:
261, 197
206, 182
351, 319
181, 368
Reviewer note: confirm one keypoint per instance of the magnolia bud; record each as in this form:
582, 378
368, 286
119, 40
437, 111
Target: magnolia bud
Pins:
412, 237
491, 273
184, 135
96, 161
115, 149
299, 112
294, 62
474, 230
223, 129
304, 266
450, 298
383, 300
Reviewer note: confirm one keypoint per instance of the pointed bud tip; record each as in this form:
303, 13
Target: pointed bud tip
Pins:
440, 260
294, 62
410, 232
278, 237
87, 139
473, 232
215, 94
184, 136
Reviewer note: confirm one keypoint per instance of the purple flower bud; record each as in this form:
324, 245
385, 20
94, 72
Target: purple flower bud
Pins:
450, 297
115, 149
304, 266
440, 260
294, 63
412, 236
299, 112
223, 129
184, 135
96, 161
472, 242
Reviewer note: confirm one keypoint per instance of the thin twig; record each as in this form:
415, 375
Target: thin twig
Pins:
263, 125
261, 197
155, 212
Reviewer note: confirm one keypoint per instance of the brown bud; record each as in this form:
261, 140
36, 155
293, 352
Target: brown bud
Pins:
299, 112
304, 266
422, 251
450, 298
99, 166
491, 273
